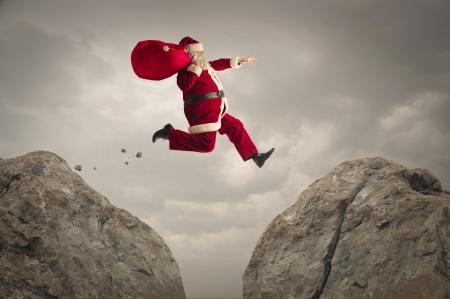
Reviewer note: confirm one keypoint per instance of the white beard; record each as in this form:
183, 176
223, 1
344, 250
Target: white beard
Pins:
201, 60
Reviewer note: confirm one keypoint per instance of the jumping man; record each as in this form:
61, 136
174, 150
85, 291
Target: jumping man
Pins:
205, 107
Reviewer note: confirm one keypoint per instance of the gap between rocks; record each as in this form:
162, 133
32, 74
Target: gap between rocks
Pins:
333, 244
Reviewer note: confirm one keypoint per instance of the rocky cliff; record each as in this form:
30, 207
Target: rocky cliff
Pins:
59, 238
370, 228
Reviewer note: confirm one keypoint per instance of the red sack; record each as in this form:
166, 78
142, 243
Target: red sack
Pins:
157, 60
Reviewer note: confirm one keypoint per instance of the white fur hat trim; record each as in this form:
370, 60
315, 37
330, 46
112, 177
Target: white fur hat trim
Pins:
194, 47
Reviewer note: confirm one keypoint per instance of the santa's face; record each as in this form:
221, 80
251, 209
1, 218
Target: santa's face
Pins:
199, 58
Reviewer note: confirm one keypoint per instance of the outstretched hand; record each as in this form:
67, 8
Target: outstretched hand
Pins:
247, 60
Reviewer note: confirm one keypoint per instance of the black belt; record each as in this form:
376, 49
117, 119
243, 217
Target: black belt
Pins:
205, 96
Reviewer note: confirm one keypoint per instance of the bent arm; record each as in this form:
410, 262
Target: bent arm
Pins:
186, 78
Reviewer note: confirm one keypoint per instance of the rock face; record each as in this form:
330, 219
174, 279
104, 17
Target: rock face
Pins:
59, 238
370, 228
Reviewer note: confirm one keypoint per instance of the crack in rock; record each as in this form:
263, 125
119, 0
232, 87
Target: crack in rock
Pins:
15, 177
335, 239
103, 223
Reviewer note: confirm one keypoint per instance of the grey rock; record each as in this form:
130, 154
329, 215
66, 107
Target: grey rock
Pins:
123, 150
59, 238
139, 154
77, 167
370, 228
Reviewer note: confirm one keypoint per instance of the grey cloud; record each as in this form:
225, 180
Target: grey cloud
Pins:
41, 74
43, 70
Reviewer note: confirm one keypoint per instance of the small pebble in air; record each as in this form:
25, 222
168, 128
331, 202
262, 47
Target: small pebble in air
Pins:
139, 155
78, 167
126, 163
95, 168
123, 150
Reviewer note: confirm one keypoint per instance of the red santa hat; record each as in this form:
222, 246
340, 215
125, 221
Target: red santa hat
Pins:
157, 60
190, 44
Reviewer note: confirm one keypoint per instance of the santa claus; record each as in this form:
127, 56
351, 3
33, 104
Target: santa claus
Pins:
205, 104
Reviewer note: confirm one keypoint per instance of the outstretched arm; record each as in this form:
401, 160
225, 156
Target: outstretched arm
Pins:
235, 62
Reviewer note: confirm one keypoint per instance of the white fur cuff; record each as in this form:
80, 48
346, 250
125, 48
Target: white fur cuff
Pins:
195, 69
211, 127
234, 62
194, 47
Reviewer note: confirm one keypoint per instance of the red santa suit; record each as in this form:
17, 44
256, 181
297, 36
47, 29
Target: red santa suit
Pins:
157, 60
208, 116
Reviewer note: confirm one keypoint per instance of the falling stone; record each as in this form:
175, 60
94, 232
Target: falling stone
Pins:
139, 155
95, 168
126, 163
78, 167
123, 150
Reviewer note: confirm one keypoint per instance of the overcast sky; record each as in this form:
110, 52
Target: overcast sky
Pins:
334, 81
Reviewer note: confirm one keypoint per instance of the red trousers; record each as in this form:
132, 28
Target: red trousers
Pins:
205, 142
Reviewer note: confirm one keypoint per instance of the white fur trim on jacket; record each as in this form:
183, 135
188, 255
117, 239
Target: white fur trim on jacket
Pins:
215, 79
194, 47
210, 127
234, 62
195, 69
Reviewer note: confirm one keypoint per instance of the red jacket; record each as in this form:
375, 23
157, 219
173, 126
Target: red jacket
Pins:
204, 116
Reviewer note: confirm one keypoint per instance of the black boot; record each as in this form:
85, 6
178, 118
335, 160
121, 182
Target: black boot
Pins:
259, 159
163, 133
